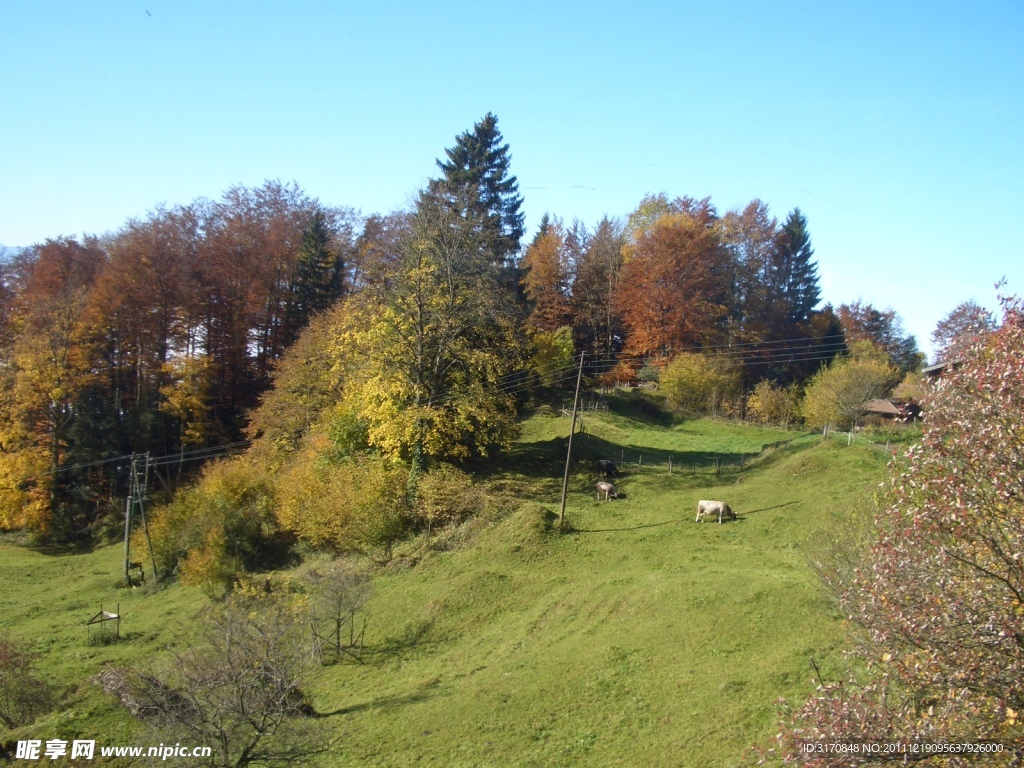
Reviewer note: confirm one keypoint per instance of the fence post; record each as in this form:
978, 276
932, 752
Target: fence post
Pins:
670, 465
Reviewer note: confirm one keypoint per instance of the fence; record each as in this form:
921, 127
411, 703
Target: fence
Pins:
588, 406
716, 465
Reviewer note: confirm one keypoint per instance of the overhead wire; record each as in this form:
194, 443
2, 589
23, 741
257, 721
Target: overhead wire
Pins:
552, 373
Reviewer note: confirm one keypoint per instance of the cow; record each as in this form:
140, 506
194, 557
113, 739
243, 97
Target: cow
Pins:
607, 489
720, 508
607, 468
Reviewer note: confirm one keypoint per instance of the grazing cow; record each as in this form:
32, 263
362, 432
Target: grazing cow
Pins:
607, 489
607, 468
720, 508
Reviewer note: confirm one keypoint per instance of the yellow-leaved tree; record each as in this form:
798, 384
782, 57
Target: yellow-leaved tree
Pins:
700, 383
837, 394
426, 350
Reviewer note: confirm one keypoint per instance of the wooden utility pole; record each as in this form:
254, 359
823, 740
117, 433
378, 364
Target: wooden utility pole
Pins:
568, 453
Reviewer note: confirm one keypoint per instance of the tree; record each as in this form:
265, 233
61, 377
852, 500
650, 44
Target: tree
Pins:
672, 289
237, 687
862, 322
961, 329
700, 383
938, 592
477, 184
797, 274
426, 348
837, 394
595, 280
552, 354
546, 279
49, 365
319, 273
755, 299
771, 404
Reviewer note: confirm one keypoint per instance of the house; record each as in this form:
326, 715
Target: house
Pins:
901, 412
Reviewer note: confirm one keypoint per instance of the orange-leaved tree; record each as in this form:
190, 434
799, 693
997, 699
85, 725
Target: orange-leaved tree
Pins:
672, 290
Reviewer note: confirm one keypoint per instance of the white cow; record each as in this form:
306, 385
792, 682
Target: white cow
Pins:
607, 489
720, 508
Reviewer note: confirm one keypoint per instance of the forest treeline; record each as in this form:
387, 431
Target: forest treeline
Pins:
409, 339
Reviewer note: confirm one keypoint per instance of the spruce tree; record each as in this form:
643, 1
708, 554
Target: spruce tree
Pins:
479, 164
319, 276
800, 273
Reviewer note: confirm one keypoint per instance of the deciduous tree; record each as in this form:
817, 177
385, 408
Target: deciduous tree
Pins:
238, 687
672, 289
837, 394
700, 383
862, 322
546, 279
938, 594
428, 346
595, 280
961, 329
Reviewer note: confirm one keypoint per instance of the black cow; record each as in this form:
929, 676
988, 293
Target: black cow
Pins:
607, 468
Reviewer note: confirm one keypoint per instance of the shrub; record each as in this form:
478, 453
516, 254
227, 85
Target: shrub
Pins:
357, 504
770, 404
649, 374
700, 383
938, 593
446, 495
224, 524
237, 686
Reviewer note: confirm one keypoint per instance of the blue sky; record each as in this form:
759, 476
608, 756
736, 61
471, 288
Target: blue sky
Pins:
895, 127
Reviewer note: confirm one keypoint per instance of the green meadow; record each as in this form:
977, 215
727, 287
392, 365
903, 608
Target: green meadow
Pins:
636, 638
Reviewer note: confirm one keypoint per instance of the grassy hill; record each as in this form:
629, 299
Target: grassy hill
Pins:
640, 638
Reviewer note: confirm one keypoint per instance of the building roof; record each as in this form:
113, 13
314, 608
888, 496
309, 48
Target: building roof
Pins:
881, 406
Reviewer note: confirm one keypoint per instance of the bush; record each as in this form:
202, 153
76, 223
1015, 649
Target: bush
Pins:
237, 687
223, 525
358, 504
649, 374
700, 383
938, 592
446, 495
770, 404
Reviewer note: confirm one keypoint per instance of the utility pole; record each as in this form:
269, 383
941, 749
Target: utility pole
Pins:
568, 455
136, 496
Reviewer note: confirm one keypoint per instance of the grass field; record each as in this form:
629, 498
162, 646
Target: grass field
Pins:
638, 639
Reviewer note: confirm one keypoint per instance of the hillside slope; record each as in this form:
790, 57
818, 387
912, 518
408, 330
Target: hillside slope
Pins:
641, 638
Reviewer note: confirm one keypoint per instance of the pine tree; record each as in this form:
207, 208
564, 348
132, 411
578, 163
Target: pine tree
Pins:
799, 275
319, 276
480, 162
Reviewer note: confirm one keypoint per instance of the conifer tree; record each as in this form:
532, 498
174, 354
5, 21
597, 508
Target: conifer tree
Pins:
798, 274
479, 163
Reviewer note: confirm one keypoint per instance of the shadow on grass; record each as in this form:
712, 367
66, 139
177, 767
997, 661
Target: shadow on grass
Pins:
414, 636
628, 528
766, 509
385, 703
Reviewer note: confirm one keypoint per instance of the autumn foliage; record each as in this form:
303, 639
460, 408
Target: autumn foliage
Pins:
939, 594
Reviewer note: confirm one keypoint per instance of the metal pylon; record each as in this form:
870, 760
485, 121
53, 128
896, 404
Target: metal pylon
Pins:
136, 497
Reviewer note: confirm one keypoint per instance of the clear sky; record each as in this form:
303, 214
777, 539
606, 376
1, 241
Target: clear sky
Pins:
898, 128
